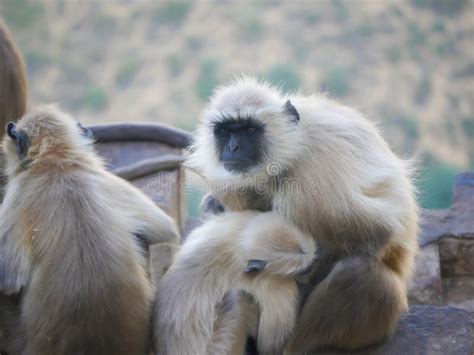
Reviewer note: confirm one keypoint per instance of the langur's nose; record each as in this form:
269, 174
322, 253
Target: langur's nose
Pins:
233, 146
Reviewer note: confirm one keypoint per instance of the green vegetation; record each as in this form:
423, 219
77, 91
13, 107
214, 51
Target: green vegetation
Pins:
104, 25
95, 98
467, 125
446, 7
187, 125
22, 13
450, 130
126, 72
340, 10
365, 29
194, 43
301, 50
336, 82
193, 201
312, 18
439, 26
423, 91
36, 61
207, 79
394, 54
175, 64
172, 11
435, 185
285, 76
251, 27
410, 127
416, 39
74, 72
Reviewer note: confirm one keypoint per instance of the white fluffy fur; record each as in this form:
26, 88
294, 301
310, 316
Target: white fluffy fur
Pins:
211, 264
339, 182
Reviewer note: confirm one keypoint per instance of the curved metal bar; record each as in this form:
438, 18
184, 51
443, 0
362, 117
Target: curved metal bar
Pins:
148, 166
151, 132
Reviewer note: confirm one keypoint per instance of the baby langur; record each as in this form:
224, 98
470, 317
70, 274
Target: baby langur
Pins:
259, 253
67, 243
324, 168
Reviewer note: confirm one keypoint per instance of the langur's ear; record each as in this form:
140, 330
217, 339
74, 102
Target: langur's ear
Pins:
291, 111
20, 139
11, 131
86, 132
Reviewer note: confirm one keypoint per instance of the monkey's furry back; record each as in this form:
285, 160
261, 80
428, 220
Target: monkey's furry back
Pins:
84, 287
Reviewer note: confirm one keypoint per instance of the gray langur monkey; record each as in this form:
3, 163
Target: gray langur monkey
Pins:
259, 253
326, 169
67, 243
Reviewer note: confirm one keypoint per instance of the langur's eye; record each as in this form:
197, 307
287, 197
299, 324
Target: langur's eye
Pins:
250, 130
222, 131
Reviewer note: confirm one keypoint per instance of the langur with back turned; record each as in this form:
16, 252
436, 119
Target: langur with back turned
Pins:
68, 243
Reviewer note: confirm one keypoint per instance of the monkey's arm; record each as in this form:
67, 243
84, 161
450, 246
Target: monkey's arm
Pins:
153, 225
145, 218
14, 268
276, 245
14, 261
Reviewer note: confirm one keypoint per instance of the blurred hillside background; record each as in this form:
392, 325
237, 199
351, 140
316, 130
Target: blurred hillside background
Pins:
408, 65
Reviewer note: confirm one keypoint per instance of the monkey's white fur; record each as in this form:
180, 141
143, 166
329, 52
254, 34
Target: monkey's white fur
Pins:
338, 181
67, 239
211, 264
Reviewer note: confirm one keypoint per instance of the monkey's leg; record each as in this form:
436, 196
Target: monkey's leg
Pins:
358, 304
278, 312
237, 320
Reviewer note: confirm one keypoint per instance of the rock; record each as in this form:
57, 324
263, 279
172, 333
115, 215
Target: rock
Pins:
427, 330
452, 232
457, 222
435, 224
457, 257
459, 291
463, 206
431, 330
427, 286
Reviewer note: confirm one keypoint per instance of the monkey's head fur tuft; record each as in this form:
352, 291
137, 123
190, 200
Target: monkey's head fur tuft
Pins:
244, 133
46, 137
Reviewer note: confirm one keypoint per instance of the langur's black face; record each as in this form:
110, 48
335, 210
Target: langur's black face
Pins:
239, 143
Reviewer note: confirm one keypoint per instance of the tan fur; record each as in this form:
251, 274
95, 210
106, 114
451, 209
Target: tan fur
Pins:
67, 230
13, 88
211, 264
334, 177
237, 317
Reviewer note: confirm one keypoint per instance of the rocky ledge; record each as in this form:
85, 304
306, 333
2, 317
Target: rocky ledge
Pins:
427, 330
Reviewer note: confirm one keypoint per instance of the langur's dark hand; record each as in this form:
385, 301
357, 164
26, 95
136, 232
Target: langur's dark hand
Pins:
255, 265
